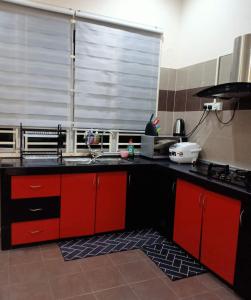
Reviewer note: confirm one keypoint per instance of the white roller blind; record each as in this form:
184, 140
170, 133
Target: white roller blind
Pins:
35, 67
116, 75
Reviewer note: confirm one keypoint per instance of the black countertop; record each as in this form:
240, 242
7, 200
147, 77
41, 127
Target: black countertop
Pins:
29, 167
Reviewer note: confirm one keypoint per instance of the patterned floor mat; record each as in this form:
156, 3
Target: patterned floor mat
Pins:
173, 261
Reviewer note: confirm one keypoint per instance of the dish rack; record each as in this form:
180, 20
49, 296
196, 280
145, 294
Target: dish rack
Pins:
41, 133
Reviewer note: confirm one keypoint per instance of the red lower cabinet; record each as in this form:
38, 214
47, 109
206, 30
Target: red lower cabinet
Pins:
34, 231
78, 195
188, 216
207, 226
220, 234
110, 201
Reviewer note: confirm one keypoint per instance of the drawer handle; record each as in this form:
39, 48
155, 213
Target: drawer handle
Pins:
35, 186
35, 231
35, 209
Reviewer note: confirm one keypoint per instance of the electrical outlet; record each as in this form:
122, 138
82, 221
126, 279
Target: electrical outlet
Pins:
213, 106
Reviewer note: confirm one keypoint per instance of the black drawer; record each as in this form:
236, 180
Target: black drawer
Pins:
35, 209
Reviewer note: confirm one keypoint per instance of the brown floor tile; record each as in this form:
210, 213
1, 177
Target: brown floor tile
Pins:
84, 297
205, 296
5, 293
4, 275
24, 273
136, 271
227, 294
25, 255
119, 293
155, 268
188, 287
153, 289
210, 281
104, 278
141, 253
48, 246
166, 280
53, 253
57, 267
4, 258
92, 263
69, 285
30, 291
124, 257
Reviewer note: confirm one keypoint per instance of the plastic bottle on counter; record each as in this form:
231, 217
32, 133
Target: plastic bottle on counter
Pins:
96, 138
130, 149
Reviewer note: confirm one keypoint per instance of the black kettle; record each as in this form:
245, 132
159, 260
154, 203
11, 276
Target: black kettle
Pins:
179, 128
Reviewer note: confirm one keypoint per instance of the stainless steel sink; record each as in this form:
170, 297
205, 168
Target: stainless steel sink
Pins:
112, 160
82, 160
100, 160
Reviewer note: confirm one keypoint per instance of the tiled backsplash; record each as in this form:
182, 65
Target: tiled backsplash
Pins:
221, 143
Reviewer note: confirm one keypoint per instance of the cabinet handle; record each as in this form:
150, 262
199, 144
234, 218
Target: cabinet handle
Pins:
201, 200
35, 231
173, 186
98, 182
241, 215
129, 179
35, 186
35, 209
204, 203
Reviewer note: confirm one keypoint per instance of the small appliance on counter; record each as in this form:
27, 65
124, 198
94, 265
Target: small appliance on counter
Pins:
157, 147
179, 128
184, 152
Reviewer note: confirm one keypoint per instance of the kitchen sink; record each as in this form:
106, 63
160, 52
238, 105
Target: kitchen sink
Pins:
100, 160
81, 160
112, 160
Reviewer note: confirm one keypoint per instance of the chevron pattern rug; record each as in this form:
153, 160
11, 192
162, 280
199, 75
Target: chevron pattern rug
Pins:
173, 261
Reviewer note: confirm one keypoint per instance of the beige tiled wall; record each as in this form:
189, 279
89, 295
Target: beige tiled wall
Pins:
229, 144
167, 79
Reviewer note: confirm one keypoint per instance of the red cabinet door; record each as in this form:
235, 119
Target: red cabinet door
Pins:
220, 234
111, 201
78, 193
188, 216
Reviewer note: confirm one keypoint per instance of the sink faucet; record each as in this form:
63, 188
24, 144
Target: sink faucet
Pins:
94, 154
89, 141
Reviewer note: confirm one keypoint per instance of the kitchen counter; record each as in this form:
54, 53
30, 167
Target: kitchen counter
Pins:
31, 167
144, 197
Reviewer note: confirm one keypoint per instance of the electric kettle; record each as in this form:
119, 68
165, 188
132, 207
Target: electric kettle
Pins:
179, 128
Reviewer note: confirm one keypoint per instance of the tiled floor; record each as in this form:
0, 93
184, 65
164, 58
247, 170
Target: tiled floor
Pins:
41, 273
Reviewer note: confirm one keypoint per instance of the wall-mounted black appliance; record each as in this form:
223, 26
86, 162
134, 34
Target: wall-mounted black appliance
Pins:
239, 85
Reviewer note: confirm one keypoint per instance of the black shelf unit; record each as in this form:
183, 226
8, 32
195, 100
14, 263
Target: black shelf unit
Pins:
42, 133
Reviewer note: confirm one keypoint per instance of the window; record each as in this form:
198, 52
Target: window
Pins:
123, 140
116, 76
79, 73
8, 139
35, 67
37, 143
81, 146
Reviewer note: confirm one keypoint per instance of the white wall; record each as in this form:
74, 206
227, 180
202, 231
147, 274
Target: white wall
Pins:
208, 28
194, 30
160, 13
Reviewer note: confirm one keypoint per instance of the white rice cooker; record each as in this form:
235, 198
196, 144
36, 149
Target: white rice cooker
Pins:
184, 152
